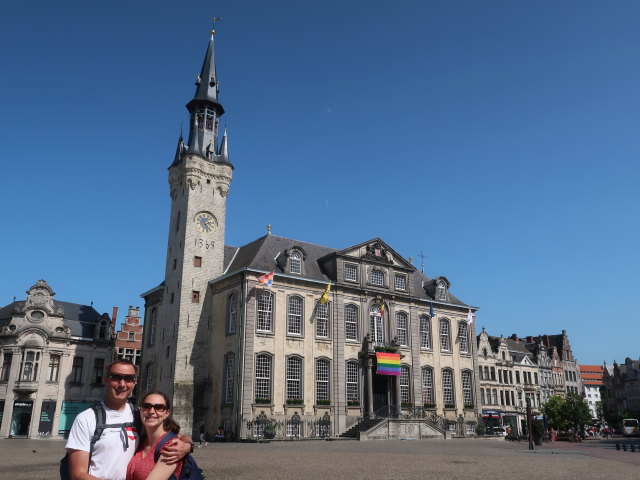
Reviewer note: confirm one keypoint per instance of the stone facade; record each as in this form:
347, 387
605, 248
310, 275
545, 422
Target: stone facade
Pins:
226, 346
516, 371
621, 389
54, 355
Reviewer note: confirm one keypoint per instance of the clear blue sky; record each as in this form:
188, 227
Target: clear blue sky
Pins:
498, 137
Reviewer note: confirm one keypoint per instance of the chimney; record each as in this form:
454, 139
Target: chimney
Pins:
514, 337
114, 315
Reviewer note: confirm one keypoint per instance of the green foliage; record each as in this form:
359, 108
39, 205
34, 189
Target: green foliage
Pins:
570, 412
385, 349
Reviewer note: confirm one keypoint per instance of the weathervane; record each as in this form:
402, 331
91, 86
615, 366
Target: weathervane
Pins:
216, 19
422, 256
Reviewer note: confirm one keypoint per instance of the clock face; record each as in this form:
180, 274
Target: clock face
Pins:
205, 222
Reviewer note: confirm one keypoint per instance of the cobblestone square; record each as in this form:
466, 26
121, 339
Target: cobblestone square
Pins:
385, 459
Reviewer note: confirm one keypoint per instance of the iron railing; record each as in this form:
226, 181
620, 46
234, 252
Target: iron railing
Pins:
292, 428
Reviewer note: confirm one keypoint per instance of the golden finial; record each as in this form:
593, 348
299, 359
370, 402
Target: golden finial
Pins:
269, 229
411, 260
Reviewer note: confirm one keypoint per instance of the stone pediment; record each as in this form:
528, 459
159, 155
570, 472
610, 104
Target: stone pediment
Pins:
376, 251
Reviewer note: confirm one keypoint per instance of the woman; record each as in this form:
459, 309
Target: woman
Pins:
155, 413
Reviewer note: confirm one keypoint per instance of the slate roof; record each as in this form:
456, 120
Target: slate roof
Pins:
81, 319
262, 255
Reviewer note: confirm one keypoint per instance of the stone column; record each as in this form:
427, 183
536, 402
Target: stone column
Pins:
369, 408
398, 397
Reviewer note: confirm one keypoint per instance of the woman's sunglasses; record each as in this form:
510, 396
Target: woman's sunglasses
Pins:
158, 407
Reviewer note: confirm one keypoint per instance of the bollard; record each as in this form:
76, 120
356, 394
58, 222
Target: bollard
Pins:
617, 446
624, 447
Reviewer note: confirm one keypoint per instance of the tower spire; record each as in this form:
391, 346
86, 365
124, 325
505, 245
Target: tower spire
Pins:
205, 109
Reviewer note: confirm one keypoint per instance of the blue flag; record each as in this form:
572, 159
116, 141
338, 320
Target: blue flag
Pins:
431, 309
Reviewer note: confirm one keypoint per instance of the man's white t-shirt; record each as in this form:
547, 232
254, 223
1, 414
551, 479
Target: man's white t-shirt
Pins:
110, 455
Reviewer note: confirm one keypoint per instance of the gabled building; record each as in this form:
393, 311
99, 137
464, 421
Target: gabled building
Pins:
229, 347
591, 376
620, 392
53, 359
129, 338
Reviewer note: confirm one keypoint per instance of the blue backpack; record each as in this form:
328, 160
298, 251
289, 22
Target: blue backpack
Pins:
190, 470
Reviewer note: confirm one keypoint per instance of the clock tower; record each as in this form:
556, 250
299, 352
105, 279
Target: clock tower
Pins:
177, 327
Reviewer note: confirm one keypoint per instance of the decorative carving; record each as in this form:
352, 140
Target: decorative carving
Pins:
375, 251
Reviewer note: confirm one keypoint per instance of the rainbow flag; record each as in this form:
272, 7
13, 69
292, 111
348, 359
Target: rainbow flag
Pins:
266, 279
388, 363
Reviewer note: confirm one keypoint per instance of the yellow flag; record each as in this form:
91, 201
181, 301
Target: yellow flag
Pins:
325, 296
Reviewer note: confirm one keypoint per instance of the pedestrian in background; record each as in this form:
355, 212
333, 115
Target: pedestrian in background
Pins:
202, 433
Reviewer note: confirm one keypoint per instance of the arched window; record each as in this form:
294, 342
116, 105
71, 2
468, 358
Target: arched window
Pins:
322, 381
54, 368
484, 353
232, 313
294, 378
445, 340
425, 332
263, 378
375, 324
401, 328
480, 373
351, 322
428, 393
229, 362
353, 382
265, 312
148, 377
482, 395
295, 263
441, 292
30, 364
405, 390
152, 327
493, 373
447, 387
294, 316
463, 337
486, 373
322, 320
467, 389
495, 396
102, 332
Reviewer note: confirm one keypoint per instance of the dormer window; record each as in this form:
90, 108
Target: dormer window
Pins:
295, 263
441, 292
377, 277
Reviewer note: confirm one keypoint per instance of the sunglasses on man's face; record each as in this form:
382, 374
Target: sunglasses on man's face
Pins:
116, 377
158, 407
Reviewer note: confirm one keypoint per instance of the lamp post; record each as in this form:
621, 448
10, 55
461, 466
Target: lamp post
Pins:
529, 424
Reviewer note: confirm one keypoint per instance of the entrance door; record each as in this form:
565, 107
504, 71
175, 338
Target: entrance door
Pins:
21, 419
380, 392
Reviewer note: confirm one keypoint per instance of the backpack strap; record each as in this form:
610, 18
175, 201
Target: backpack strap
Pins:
101, 418
167, 437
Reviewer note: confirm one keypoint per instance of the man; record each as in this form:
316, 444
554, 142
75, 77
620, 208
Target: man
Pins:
116, 446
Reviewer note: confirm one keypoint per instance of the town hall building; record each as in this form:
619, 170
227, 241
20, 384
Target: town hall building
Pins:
283, 328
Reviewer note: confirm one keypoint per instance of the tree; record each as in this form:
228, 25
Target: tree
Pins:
570, 412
